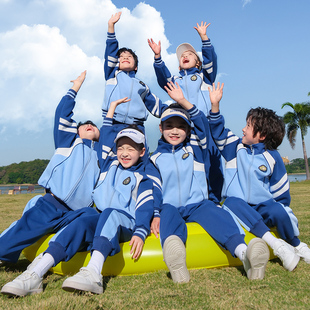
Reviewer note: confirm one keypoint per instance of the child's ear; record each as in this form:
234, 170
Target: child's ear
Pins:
160, 128
198, 64
142, 152
262, 138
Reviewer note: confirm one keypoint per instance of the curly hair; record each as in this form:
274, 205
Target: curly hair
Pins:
269, 125
125, 49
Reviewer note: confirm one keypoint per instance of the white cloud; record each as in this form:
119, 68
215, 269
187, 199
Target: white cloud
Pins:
245, 2
39, 60
37, 67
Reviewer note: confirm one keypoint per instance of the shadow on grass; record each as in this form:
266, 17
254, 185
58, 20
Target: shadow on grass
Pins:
20, 266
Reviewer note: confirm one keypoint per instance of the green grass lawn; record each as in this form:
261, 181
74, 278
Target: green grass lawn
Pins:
224, 288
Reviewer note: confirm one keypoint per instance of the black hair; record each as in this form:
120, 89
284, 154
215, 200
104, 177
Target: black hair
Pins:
125, 49
269, 125
86, 123
178, 107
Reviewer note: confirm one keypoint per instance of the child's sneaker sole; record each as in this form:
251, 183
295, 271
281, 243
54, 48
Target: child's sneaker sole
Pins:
175, 258
258, 256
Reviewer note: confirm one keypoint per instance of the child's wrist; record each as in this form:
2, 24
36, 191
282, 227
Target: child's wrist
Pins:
215, 109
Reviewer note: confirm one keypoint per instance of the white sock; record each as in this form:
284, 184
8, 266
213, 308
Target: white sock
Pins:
45, 263
269, 238
96, 261
240, 249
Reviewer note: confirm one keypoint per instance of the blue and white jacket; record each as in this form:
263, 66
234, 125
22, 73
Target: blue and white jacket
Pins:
129, 191
252, 173
120, 84
181, 168
193, 82
73, 171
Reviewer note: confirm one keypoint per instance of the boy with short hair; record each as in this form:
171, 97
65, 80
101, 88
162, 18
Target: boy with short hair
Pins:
180, 160
124, 196
120, 69
256, 183
69, 180
194, 79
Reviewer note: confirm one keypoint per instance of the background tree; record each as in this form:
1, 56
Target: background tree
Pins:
299, 118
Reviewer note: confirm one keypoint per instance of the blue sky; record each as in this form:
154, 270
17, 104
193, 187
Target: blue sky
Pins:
262, 46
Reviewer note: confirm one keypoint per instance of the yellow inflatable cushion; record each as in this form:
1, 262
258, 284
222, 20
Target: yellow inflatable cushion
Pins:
201, 252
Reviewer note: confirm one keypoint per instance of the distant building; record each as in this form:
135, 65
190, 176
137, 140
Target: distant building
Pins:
286, 161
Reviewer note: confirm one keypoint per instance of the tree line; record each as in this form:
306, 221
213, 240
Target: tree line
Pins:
30, 172
296, 165
23, 173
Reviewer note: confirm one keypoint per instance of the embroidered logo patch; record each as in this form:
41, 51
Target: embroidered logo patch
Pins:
127, 181
194, 78
185, 155
262, 168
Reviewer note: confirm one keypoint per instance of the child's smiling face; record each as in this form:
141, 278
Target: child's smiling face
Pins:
188, 60
174, 130
248, 137
89, 131
128, 152
127, 62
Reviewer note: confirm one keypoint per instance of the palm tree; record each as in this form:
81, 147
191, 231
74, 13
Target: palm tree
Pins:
299, 118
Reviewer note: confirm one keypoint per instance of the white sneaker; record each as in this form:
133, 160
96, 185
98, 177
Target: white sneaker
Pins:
27, 283
175, 258
255, 259
85, 280
286, 253
303, 251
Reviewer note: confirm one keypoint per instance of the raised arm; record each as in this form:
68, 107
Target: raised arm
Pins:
156, 48
216, 94
77, 83
175, 93
202, 30
64, 125
112, 21
113, 106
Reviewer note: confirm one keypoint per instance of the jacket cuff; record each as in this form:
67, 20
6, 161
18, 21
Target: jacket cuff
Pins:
71, 93
141, 232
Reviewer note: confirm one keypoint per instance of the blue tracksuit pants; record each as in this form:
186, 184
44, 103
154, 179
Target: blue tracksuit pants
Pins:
213, 219
42, 215
75, 237
270, 213
113, 227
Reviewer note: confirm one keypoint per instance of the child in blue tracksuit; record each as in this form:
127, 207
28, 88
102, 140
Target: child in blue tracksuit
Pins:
194, 79
180, 160
120, 69
69, 180
124, 196
256, 183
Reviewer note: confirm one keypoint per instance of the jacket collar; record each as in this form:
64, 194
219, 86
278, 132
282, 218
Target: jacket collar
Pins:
165, 147
257, 148
189, 71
